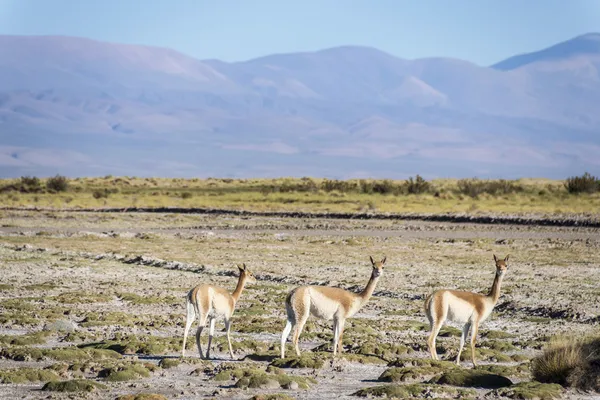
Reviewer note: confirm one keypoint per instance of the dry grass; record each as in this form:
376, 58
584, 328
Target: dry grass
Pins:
307, 194
570, 361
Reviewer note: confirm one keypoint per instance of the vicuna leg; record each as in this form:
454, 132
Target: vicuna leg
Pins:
191, 314
463, 337
336, 334
211, 333
473, 338
227, 328
284, 336
201, 323
341, 328
299, 327
338, 327
435, 322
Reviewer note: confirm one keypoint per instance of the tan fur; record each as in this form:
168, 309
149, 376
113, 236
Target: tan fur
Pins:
326, 303
207, 302
465, 307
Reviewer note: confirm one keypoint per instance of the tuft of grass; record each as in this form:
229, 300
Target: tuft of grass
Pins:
167, 363
76, 385
81, 297
258, 379
519, 370
491, 334
25, 375
274, 396
570, 361
67, 354
530, 391
415, 391
385, 351
482, 353
142, 396
25, 340
137, 299
472, 378
127, 372
306, 360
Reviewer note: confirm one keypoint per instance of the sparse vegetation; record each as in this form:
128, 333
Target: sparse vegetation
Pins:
310, 194
476, 187
99, 297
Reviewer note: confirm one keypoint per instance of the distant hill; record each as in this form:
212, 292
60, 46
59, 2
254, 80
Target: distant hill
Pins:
83, 107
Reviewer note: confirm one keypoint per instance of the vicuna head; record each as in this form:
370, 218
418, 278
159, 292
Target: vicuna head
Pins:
246, 273
501, 265
377, 267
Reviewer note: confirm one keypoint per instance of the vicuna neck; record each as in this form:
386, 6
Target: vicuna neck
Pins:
365, 295
495, 290
239, 288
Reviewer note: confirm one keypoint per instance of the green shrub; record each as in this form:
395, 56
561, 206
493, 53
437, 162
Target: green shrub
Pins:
585, 183
57, 183
475, 187
30, 184
417, 186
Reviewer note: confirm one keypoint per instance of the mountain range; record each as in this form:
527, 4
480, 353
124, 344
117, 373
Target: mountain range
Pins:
80, 107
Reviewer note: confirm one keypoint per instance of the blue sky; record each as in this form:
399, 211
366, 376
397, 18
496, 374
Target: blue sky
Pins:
481, 31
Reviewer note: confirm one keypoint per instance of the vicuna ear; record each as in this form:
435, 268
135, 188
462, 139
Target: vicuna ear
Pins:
241, 267
372, 261
384, 258
495, 258
506, 258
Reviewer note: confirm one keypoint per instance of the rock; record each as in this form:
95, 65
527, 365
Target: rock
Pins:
291, 385
271, 384
61, 325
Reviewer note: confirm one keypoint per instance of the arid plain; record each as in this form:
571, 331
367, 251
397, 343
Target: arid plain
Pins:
98, 300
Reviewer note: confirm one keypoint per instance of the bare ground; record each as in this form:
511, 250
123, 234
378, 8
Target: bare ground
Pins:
80, 269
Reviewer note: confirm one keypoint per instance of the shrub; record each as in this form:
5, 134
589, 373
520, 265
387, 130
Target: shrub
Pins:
186, 195
585, 183
30, 184
329, 185
99, 194
571, 362
474, 187
26, 184
417, 186
57, 183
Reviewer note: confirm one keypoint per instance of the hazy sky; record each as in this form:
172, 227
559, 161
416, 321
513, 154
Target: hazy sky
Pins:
482, 31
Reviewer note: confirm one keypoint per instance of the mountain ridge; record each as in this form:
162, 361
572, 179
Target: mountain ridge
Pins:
324, 110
